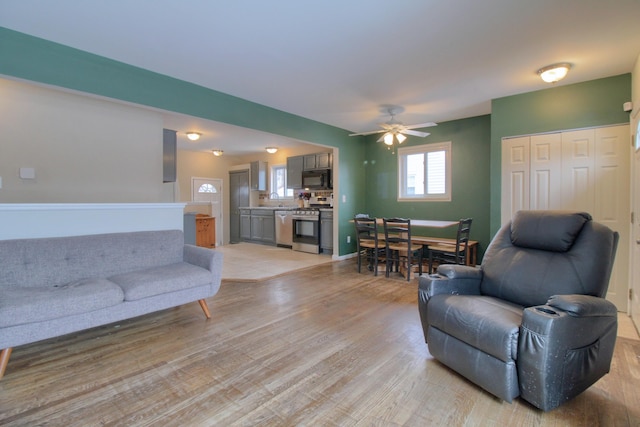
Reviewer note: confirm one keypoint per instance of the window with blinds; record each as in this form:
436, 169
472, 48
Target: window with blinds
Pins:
424, 172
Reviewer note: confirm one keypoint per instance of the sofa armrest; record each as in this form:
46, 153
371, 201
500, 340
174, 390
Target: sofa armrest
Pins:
203, 257
564, 347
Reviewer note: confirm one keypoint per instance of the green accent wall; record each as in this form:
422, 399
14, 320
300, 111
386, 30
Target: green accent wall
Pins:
470, 145
31, 58
581, 105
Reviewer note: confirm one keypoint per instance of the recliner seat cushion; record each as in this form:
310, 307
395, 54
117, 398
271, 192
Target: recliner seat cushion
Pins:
486, 323
22, 305
160, 280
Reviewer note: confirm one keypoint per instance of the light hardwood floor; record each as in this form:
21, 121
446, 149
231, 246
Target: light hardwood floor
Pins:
324, 346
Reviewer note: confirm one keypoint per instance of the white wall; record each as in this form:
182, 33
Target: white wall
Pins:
83, 149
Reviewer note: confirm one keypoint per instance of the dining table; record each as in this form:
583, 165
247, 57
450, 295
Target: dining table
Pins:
425, 241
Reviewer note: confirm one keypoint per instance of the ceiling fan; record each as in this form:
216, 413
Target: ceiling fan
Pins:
395, 130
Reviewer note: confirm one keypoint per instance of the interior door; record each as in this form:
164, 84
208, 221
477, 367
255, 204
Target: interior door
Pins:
515, 176
209, 190
238, 197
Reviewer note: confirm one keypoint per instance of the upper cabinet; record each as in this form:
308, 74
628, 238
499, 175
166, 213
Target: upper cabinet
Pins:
294, 172
169, 154
317, 161
259, 176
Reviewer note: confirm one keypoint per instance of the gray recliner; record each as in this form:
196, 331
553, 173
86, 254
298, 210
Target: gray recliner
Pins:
532, 320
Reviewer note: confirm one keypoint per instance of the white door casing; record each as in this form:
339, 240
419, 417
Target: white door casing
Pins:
635, 235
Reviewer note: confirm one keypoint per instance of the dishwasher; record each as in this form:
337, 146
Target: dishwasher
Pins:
284, 228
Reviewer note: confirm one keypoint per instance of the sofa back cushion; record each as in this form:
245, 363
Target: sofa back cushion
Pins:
59, 260
544, 253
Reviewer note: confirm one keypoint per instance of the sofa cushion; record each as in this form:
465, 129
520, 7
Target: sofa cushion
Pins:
488, 324
547, 230
161, 280
22, 305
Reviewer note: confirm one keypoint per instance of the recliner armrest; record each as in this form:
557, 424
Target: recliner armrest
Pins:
564, 346
582, 305
452, 279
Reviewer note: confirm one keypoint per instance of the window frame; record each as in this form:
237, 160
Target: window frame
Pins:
403, 152
272, 183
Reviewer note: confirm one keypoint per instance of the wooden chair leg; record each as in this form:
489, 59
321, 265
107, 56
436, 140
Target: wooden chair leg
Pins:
205, 308
4, 360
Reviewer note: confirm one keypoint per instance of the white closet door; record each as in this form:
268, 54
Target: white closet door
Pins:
578, 170
613, 202
546, 170
515, 176
584, 170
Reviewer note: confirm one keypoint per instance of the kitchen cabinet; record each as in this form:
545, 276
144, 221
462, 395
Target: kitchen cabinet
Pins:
258, 176
258, 225
317, 161
245, 224
295, 165
326, 231
169, 155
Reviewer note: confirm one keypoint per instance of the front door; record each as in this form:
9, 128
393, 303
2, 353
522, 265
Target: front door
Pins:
209, 190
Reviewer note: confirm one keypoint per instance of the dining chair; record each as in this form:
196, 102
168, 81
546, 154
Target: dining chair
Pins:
450, 253
368, 244
399, 248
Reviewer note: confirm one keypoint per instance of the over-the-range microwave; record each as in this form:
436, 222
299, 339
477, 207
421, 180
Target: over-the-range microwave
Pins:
317, 179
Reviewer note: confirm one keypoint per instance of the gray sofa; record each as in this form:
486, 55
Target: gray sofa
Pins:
532, 321
55, 286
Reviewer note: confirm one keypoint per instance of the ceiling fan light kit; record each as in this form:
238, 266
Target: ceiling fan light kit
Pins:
394, 130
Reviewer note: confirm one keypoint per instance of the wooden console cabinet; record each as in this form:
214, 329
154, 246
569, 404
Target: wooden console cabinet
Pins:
200, 230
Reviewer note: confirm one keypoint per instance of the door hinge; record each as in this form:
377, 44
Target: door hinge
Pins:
630, 294
632, 218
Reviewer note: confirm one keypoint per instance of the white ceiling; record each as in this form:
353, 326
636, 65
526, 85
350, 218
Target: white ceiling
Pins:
339, 61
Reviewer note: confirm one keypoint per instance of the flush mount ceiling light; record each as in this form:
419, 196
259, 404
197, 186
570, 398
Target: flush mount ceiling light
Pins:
217, 152
271, 150
194, 136
554, 73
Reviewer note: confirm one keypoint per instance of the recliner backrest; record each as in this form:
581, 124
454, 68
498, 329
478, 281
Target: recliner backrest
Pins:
544, 253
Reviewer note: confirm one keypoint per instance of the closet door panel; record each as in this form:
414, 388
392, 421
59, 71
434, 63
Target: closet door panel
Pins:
515, 176
578, 170
613, 201
546, 170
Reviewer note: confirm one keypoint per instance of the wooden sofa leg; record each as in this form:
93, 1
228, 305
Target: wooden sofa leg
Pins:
4, 360
205, 308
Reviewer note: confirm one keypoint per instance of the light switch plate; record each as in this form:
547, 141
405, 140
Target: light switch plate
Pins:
27, 173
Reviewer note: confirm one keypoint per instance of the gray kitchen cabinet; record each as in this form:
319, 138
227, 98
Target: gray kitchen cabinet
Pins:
258, 225
258, 176
295, 165
326, 231
317, 161
245, 224
169, 155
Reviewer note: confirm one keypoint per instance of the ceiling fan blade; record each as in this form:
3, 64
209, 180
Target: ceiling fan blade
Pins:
415, 133
366, 133
421, 125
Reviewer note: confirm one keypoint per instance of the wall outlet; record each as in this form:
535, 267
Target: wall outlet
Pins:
348, 239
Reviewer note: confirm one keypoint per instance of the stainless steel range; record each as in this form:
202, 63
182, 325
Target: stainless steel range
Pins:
306, 230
